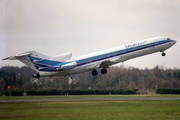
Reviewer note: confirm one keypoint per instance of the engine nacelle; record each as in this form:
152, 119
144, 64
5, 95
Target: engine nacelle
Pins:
67, 66
62, 57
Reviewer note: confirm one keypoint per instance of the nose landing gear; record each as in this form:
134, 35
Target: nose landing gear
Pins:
163, 54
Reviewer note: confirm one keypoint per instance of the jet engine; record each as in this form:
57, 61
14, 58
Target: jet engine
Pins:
62, 57
67, 66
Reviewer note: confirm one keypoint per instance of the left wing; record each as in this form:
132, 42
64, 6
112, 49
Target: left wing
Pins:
107, 63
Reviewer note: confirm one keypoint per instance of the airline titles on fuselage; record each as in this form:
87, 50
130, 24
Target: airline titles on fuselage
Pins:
135, 44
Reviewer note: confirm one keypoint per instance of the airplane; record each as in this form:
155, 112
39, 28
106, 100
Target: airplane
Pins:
65, 65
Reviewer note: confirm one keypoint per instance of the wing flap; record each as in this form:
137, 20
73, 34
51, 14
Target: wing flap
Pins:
105, 64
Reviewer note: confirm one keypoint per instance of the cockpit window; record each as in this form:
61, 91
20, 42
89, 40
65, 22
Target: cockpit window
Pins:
168, 39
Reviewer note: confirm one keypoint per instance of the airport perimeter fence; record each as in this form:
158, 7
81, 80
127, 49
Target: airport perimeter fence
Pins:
168, 91
72, 92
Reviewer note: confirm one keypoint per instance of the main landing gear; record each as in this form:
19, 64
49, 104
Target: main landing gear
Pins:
103, 71
95, 72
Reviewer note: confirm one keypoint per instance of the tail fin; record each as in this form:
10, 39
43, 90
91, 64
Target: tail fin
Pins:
40, 62
31, 59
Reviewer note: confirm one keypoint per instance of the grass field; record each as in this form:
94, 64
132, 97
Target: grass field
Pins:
90, 110
81, 96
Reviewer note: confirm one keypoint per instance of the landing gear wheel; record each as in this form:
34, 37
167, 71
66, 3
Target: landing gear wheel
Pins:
103, 71
94, 72
163, 54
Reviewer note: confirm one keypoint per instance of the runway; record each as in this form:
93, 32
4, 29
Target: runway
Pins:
96, 99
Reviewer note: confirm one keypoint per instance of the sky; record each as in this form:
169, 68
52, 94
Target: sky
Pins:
54, 27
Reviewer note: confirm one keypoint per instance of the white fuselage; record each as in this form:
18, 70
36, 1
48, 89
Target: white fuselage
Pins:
115, 55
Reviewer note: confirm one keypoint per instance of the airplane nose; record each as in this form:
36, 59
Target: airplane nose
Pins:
174, 41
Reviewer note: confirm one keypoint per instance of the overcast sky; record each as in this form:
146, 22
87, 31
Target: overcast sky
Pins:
54, 27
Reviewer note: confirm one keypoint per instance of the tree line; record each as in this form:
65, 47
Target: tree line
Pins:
120, 77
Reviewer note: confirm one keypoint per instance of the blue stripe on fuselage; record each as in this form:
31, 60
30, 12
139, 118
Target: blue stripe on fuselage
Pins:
117, 53
55, 64
48, 62
43, 61
53, 68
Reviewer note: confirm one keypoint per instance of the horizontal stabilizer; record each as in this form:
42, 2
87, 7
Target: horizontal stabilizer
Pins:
8, 58
23, 54
16, 56
29, 58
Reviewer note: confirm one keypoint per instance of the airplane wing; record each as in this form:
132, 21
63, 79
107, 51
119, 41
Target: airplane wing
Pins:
107, 63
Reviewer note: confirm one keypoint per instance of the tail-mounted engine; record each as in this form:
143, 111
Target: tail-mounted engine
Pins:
67, 66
